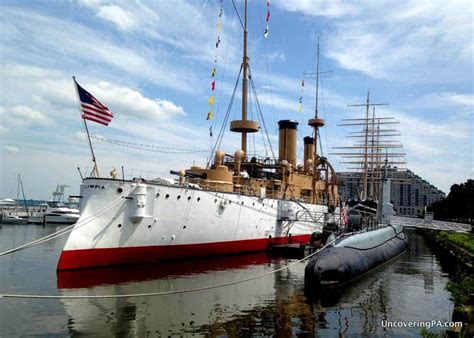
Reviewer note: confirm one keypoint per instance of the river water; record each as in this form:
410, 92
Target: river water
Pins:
411, 288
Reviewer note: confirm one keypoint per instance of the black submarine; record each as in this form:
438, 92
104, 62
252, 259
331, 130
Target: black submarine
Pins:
371, 241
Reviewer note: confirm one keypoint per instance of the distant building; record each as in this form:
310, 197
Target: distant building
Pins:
410, 193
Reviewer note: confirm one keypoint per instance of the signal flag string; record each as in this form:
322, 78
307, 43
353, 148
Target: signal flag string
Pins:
148, 147
267, 19
300, 100
210, 114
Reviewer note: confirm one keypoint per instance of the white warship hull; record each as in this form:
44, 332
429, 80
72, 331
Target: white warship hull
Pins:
157, 222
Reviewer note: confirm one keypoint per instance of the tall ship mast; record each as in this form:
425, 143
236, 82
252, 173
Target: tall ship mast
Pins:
236, 203
376, 148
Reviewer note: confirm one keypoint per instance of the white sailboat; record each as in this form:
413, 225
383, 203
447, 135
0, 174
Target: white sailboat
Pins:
11, 212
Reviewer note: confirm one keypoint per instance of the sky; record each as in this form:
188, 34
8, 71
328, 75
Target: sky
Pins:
150, 62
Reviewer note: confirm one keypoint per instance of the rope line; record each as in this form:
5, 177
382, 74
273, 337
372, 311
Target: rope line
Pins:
69, 228
163, 293
148, 147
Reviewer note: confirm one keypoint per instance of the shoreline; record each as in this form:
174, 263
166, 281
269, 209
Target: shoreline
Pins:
457, 248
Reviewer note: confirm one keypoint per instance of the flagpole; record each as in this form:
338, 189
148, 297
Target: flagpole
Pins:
95, 170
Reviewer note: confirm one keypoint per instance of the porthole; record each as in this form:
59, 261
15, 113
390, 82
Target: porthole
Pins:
119, 190
167, 196
119, 225
149, 226
198, 199
157, 195
179, 197
189, 198
242, 202
215, 201
184, 227
253, 204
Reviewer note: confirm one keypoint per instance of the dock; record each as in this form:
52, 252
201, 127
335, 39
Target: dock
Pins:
292, 250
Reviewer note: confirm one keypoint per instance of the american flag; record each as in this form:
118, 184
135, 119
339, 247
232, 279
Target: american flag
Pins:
92, 109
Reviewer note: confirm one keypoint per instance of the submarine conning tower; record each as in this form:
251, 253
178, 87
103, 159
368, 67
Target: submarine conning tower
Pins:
287, 141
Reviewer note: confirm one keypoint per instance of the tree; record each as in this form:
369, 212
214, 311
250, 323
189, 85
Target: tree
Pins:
458, 205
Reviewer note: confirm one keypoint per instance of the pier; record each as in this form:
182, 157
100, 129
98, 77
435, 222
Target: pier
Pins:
427, 223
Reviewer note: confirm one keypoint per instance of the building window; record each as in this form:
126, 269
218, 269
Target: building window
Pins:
417, 198
409, 195
401, 194
424, 201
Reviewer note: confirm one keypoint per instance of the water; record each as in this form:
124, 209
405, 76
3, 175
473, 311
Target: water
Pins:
411, 288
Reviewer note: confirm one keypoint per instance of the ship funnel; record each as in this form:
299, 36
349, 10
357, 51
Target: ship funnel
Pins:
287, 141
308, 153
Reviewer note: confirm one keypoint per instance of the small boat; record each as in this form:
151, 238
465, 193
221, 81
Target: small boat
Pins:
54, 212
10, 211
13, 219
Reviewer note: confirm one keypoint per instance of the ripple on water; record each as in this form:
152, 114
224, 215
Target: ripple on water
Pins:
410, 288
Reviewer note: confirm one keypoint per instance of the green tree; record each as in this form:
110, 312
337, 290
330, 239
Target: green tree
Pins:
458, 205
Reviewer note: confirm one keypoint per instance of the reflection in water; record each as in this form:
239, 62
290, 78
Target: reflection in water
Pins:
275, 305
411, 288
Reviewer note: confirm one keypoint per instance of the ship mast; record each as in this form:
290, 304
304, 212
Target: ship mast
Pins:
245, 126
316, 123
366, 143
372, 142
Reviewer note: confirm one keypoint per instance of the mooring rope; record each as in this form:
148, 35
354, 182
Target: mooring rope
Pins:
69, 228
163, 293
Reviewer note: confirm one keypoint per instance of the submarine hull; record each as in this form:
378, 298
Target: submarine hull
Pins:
342, 263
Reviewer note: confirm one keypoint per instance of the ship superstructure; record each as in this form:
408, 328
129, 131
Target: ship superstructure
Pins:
236, 203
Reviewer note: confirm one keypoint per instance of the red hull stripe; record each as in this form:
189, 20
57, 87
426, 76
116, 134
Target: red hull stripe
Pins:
87, 258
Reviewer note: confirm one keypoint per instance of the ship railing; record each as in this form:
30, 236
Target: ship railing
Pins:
431, 224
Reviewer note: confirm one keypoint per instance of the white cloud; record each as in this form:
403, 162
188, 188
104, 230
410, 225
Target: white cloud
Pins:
24, 112
403, 41
131, 103
277, 55
447, 99
116, 15
35, 36
331, 8
21, 115
56, 94
12, 149
188, 26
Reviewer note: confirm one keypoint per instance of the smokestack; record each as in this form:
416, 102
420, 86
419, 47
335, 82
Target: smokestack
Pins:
287, 141
309, 145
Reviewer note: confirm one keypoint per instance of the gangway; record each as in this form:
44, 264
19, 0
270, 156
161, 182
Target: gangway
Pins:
411, 222
311, 216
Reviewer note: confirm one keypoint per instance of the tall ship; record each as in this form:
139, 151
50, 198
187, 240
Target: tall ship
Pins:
370, 238
236, 203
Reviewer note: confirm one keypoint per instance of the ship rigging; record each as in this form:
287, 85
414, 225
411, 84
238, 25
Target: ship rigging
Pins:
236, 203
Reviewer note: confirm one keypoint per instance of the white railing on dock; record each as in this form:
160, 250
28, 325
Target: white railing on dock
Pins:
431, 224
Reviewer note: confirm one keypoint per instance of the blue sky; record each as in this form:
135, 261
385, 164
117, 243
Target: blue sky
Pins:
150, 62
